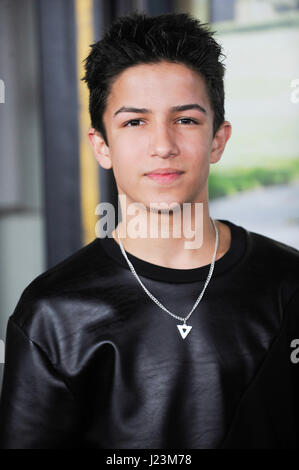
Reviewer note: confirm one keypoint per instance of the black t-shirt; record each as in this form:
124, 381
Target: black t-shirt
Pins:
92, 362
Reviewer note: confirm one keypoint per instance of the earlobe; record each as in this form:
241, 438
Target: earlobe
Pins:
100, 149
219, 141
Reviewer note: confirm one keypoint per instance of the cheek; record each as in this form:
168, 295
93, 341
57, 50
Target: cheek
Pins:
197, 155
128, 156
196, 143
125, 167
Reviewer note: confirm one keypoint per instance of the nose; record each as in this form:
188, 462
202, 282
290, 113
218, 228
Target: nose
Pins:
162, 142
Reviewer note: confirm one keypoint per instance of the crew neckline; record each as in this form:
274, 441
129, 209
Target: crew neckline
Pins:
161, 273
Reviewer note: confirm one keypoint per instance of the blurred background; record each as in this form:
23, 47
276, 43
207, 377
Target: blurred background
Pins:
50, 183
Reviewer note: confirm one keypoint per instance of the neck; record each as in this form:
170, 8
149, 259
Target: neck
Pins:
165, 238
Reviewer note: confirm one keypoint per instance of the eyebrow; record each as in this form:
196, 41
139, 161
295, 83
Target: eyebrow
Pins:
173, 109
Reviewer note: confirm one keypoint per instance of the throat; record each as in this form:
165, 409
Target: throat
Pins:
179, 259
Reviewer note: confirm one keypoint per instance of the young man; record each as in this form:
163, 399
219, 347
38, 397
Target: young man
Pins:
145, 342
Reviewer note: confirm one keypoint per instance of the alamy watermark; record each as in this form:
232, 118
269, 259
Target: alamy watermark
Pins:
165, 221
295, 354
295, 91
2, 91
2, 351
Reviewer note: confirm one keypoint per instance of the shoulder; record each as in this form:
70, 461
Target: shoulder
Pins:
273, 263
274, 251
59, 301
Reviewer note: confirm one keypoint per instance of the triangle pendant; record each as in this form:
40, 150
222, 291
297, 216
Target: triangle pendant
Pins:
184, 330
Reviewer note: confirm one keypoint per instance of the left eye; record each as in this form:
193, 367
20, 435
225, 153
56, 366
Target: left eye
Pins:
189, 119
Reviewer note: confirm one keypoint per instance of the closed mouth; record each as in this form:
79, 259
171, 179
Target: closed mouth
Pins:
165, 172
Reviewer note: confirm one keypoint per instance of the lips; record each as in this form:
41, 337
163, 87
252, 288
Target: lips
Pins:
164, 171
165, 177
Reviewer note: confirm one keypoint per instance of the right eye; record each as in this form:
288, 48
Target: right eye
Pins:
133, 121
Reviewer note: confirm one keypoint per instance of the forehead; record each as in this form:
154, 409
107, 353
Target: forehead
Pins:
157, 85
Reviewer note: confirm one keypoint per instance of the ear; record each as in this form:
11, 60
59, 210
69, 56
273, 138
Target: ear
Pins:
219, 141
100, 149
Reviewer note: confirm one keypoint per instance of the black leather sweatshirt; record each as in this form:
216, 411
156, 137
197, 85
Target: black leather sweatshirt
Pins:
92, 362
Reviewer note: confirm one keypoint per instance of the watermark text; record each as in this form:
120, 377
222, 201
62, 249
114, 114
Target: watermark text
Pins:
2, 351
295, 91
2, 92
162, 220
295, 354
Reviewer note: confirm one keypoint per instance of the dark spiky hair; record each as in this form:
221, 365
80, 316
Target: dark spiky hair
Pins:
141, 39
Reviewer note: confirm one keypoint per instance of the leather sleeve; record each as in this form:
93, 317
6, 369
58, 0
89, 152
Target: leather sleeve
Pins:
37, 410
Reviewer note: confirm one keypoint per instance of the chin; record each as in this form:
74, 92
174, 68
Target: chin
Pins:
164, 206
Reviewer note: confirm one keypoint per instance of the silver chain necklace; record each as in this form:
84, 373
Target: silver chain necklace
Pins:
183, 329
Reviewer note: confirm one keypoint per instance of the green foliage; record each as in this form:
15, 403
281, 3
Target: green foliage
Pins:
226, 182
